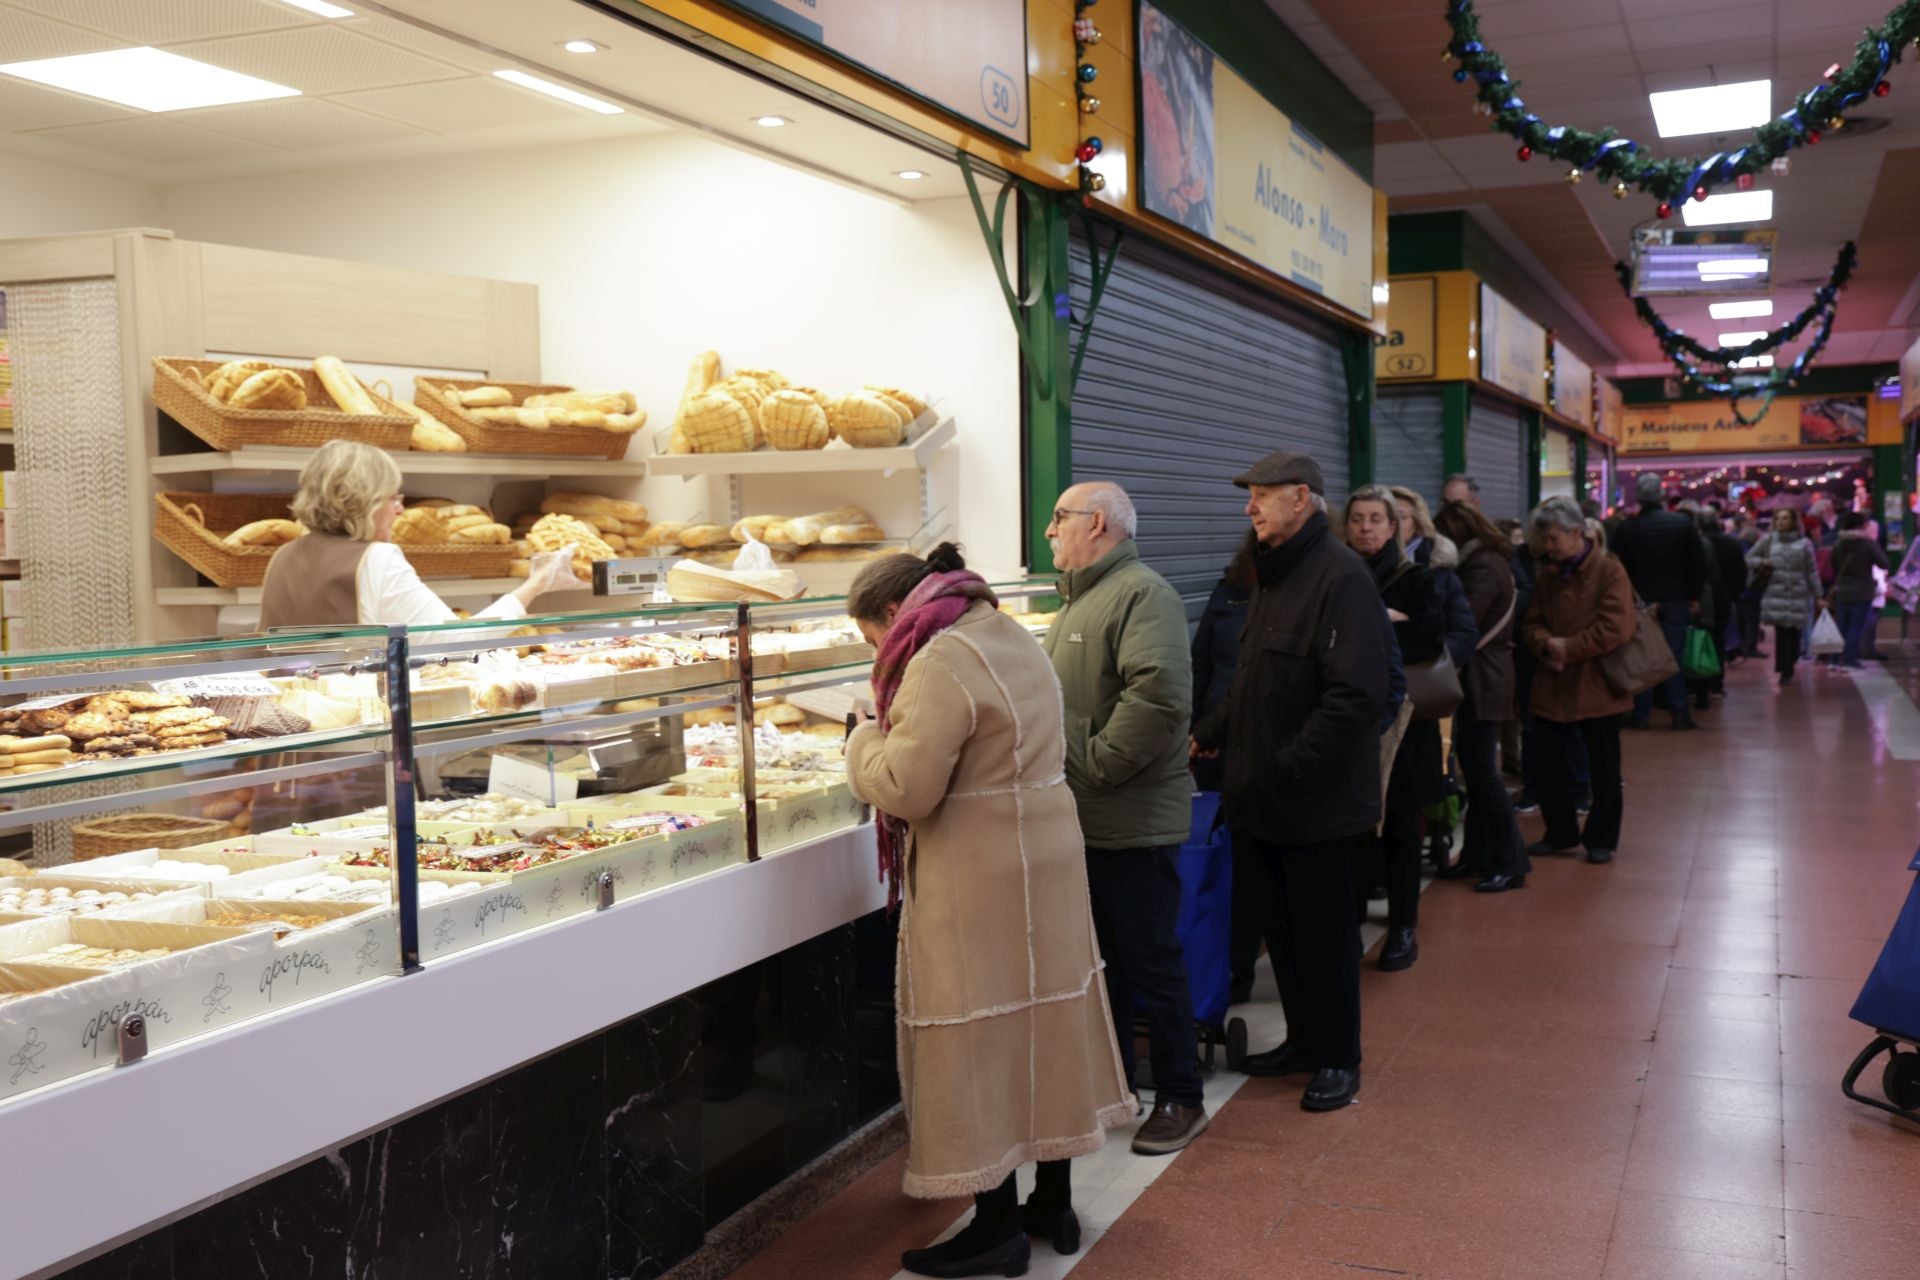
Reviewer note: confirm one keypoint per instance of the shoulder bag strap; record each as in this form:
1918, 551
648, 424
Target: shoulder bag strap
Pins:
1498, 627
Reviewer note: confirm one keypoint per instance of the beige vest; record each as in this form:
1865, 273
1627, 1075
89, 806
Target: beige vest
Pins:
312, 582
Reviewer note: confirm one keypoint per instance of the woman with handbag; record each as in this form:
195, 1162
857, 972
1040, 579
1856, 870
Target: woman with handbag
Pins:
1493, 847
1785, 570
1583, 609
1418, 776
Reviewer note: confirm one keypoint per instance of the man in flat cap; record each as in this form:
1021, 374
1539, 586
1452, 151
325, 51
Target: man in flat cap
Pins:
1301, 735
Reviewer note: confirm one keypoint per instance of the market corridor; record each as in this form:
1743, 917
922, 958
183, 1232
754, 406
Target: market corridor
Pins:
1628, 1071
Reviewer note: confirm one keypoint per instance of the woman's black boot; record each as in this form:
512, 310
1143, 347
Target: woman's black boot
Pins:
1048, 1212
991, 1245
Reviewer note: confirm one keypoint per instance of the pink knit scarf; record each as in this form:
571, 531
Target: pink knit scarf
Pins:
929, 609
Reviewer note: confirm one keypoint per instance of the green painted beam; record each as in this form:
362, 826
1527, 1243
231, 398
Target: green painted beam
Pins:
1049, 455
1456, 405
1356, 352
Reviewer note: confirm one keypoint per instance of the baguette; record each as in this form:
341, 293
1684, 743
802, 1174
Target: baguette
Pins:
265, 533
572, 503
343, 386
48, 742
480, 397
838, 535
806, 530
598, 401
705, 535
756, 527
430, 435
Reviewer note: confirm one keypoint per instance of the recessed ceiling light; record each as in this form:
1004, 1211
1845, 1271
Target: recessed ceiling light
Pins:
582, 46
910, 175
772, 122
1754, 362
1740, 310
148, 80
322, 8
1712, 277
1733, 266
1741, 339
560, 91
1720, 108
1732, 206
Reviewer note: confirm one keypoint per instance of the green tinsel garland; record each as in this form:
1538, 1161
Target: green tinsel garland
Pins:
1621, 161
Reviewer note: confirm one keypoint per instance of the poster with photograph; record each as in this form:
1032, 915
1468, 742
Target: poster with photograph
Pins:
1176, 117
1833, 420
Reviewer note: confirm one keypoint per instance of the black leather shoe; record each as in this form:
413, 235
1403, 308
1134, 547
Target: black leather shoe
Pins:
1500, 884
1548, 849
1400, 951
1458, 871
1284, 1061
1060, 1227
1599, 855
1008, 1258
1332, 1089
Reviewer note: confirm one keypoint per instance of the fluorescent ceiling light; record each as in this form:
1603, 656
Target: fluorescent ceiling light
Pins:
1715, 277
560, 91
1734, 266
1740, 310
1720, 108
581, 46
911, 175
771, 122
1732, 206
322, 8
1741, 339
148, 80
1755, 362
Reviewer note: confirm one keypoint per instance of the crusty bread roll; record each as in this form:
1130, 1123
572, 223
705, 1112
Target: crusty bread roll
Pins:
481, 397
449, 509
224, 381
865, 421
270, 389
705, 535
552, 532
819, 397
793, 420
756, 527
715, 422
915, 405
842, 534
573, 503
430, 435
804, 531
455, 523
906, 414
617, 541
592, 418
749, 392
602, 402
420, 526
664, 534
485, 534
771, 379
265, 533
701, 375
625, 424
635, 528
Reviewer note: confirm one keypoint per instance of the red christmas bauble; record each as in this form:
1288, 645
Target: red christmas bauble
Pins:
1882, 89
1700, 193
1665, 210
1525, 153
1813, 137
1085, 153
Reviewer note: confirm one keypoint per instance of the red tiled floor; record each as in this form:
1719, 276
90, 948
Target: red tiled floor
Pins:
1627, 1072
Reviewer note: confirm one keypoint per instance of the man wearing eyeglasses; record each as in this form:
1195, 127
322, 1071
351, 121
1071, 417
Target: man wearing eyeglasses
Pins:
1119, 645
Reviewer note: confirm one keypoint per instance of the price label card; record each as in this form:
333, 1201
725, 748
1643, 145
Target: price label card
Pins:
47, 703
512, 776
239, 684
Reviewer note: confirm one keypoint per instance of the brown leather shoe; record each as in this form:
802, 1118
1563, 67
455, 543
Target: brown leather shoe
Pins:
1169, 1129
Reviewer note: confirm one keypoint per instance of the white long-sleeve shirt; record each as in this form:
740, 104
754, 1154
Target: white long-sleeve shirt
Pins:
391, 593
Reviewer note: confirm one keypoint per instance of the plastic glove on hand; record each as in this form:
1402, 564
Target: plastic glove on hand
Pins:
553, 571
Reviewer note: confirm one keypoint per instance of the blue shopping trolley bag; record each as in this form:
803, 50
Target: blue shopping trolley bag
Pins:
1205, 925
1890, 1004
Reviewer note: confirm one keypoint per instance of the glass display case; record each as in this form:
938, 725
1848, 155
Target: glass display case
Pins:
207, 833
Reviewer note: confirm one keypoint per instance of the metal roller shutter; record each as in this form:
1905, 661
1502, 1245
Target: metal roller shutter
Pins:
1191, 376
1497, 457
1408, 429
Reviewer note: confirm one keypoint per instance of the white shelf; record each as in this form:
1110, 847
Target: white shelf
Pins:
911, 456
274, 459
449, 588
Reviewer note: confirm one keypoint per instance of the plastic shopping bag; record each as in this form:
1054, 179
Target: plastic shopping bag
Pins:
1825, 638
1700, 661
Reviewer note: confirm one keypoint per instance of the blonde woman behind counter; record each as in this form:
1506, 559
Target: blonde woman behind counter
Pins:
347, 571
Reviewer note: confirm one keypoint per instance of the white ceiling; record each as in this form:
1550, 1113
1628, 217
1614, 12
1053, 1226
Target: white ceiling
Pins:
1593, 63
406, 78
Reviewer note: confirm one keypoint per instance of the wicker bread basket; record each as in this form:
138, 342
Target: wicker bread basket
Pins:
178, 392
127, 831
493, 437
194, 527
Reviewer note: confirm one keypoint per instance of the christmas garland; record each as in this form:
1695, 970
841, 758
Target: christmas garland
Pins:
1622, 162
1678, 347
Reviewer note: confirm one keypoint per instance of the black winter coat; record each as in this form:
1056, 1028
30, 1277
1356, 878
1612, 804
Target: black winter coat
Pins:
1301, 727
1419, 769
1662, 554
1216, 654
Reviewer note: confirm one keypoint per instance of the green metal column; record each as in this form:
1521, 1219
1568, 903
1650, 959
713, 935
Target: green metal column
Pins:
1047, 268
1536, 451
1580, 468
1456, 405
1356, 352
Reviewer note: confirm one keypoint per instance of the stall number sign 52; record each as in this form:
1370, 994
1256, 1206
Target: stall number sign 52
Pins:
1400, 364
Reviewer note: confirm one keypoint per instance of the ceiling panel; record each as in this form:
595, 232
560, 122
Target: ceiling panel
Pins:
169, 21
152, 140
461, 105
26, 37
31, 106
321, 60
299, 124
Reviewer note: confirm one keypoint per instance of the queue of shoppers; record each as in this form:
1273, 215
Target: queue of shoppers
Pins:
1352, 670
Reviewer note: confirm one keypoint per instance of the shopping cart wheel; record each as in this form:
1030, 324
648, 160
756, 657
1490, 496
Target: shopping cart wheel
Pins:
1236, 1043
1901, 1080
